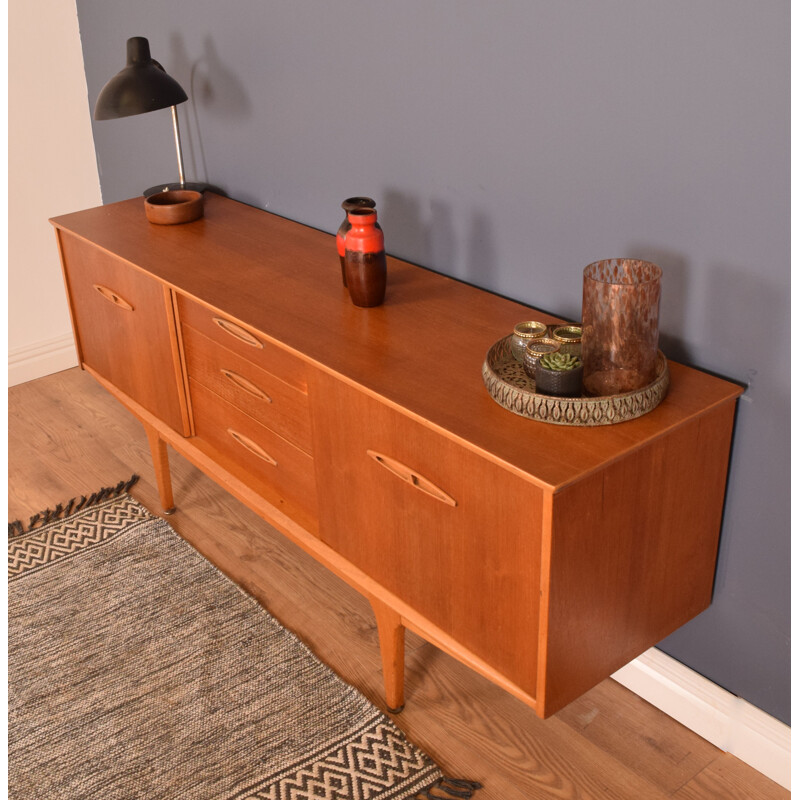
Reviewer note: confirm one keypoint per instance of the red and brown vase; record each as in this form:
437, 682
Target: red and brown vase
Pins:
365, 258
348, 205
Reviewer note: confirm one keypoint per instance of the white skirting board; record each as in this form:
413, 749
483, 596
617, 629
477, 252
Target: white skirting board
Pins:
724, 719
40, 359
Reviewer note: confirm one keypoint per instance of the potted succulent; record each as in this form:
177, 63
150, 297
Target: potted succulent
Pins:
559, 374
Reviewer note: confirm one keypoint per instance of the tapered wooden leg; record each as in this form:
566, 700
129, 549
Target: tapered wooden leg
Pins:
158, 452
391, 634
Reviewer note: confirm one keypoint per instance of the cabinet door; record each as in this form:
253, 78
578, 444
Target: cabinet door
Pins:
455, 536
122, 326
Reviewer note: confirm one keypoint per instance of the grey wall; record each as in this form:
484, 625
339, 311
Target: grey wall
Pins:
509, 144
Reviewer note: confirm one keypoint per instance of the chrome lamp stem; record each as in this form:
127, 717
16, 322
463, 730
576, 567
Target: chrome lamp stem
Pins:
177, 131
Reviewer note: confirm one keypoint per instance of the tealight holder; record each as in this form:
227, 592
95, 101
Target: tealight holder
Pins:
525, 332
534, 351
569, 336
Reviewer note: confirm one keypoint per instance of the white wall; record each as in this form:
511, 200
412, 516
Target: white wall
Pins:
52, 171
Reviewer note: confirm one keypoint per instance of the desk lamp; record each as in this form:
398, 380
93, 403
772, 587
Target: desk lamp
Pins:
144, 86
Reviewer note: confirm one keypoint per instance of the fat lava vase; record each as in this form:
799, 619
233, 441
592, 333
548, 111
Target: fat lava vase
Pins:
365, 258
348, 205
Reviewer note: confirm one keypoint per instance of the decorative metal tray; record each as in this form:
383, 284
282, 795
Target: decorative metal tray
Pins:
510, 386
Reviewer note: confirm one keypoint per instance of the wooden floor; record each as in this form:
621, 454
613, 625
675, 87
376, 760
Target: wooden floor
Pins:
68, 437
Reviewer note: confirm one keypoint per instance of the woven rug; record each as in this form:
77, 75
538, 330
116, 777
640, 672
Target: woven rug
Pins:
137, 670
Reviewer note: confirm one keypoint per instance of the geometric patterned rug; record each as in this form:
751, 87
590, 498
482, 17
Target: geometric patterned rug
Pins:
138, 670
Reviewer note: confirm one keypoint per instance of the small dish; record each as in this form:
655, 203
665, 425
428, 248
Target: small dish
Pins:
174, 208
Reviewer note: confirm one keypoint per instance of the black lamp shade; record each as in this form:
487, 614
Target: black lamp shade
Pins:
140, 87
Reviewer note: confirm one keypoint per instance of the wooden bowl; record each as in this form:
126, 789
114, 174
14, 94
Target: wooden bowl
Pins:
174, 208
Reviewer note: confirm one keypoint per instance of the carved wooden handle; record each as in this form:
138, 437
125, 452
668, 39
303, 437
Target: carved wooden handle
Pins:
238, 332
414, 478
250, 445
113, 297
246, 385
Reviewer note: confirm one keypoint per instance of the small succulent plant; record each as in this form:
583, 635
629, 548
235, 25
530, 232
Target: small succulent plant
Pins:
560, 362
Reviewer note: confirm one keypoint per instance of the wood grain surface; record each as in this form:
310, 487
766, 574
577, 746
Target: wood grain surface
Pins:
470, 563
112, 324
264, 395
294, 293
632, 558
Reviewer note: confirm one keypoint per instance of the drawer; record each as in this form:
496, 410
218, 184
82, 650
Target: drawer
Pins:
454, 535
244, 341
259, 393
276, 469
123, 322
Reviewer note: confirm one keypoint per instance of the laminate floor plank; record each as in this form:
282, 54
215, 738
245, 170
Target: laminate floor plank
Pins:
68, 436
638, 735
502, 742
729, 778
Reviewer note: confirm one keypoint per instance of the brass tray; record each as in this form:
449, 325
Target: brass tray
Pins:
509, 385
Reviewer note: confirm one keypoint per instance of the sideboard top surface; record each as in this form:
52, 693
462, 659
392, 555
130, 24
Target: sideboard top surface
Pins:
422, 350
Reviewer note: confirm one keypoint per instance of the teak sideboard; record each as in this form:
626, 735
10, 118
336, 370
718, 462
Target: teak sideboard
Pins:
545, 557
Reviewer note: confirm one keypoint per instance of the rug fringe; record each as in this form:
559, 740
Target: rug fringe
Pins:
450, 787
76, 504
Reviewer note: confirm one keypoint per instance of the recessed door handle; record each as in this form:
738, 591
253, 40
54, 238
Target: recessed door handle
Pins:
246, 385
113, 297
250, 445
232, 329
411, 476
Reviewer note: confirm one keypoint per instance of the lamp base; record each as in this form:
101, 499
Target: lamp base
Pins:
192, 187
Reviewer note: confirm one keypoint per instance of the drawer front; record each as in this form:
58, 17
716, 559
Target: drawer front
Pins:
267, 463
123, 325
455, 536
266, 398
244, 341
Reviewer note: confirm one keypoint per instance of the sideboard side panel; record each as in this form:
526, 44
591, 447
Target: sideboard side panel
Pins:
70, 300
633, 554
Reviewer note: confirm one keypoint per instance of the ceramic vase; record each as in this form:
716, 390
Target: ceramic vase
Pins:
365, 258
348, 205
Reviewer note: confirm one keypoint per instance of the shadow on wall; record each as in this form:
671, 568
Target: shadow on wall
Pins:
758, 489
407, 235
442, 239
481, 252
674, 299
212, 87
431, 238
741, 300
